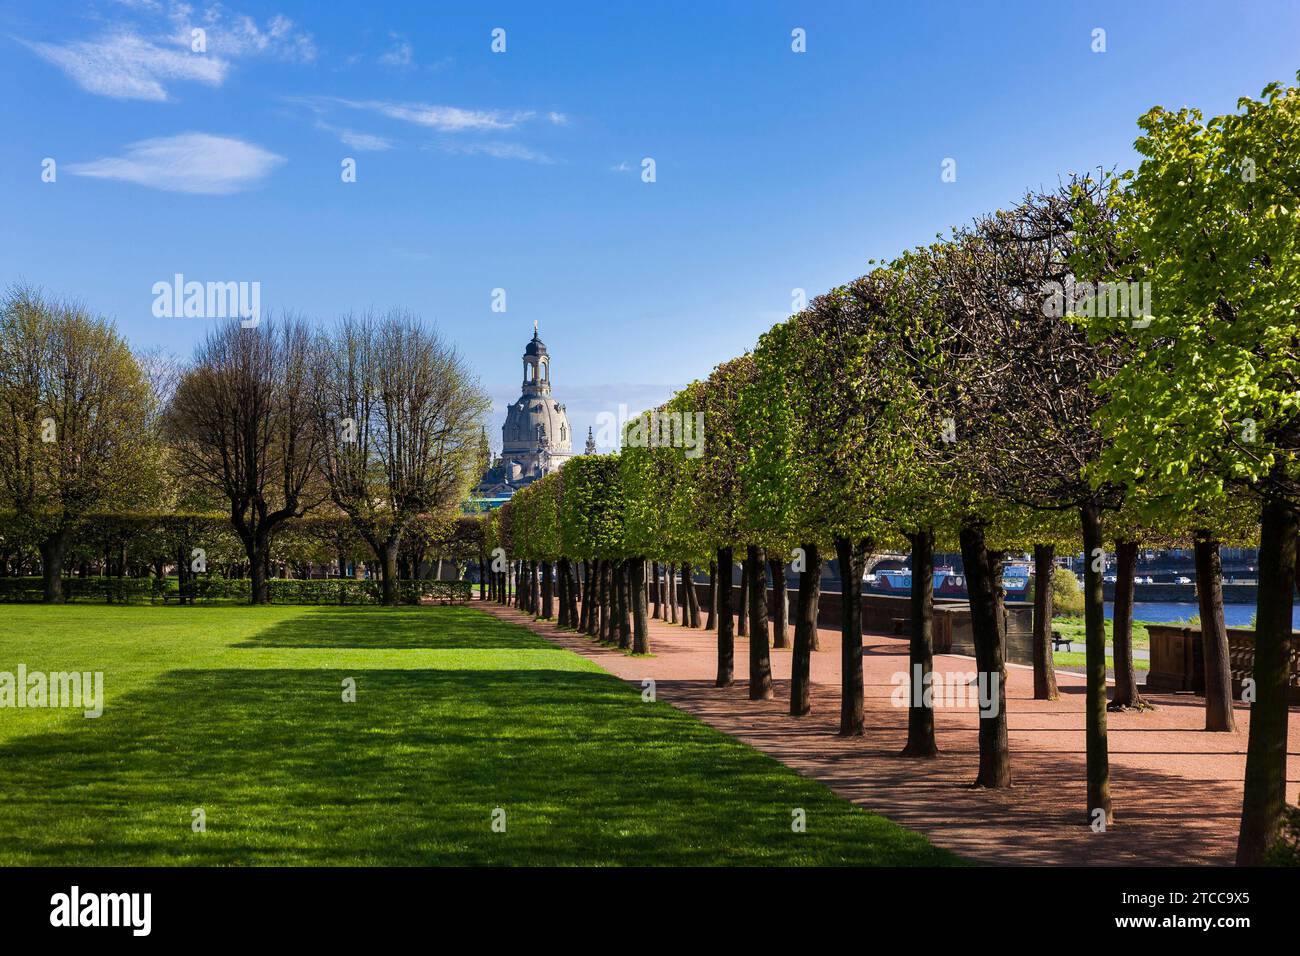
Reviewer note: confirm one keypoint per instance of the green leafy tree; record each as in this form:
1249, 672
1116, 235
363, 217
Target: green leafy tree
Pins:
77, 422
1212, 397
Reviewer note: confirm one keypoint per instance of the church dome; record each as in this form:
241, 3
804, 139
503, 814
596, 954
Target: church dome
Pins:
533, 419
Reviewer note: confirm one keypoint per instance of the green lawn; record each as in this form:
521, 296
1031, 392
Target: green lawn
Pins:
1077, 659
1072, 628
239, 711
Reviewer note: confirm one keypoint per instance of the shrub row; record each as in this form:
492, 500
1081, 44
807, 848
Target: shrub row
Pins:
113, 590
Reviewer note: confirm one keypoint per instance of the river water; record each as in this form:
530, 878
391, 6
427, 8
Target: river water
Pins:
1234, 615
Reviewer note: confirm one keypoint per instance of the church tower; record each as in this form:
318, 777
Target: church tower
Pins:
536, 433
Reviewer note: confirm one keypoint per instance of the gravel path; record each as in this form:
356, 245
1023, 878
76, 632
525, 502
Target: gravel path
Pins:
1176, 790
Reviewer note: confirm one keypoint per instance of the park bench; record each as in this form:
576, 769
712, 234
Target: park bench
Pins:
1059, 641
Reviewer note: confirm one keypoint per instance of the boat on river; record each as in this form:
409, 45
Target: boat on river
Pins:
949, 584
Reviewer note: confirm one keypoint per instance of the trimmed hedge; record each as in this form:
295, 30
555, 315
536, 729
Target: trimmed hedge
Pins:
207, 589
348, 591
111, 590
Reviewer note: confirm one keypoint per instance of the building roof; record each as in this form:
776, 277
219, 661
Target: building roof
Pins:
536, 346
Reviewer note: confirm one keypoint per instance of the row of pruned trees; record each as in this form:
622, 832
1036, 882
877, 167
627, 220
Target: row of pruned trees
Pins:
375, 420
1006, 387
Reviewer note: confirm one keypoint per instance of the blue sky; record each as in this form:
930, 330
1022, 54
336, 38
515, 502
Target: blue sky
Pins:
521, 170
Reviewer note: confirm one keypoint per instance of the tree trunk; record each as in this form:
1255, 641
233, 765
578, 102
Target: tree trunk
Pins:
561, 593
674, 595
605, 617
571, 593
1265, 794
805, 626
584, 611
692, 597
52, 549
1126, 694
999, 602
575, 590
688, 609
1214, 635
654, 587
713, 596
760, 661
780, 604
742, 612
564, 574
607, 610
1094, 610
995, 755
726, 639
259, 590
920, 714
616, 602
1044, 659
624, 580
680, 601
640, 625
852, 717
548, 597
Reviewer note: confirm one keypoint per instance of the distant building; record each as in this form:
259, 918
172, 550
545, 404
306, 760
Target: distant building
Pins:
536, 438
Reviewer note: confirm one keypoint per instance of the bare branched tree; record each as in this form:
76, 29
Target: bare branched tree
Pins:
241, 423
398, 418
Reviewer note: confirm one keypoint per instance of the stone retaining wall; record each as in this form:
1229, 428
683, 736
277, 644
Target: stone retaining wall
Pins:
886, 614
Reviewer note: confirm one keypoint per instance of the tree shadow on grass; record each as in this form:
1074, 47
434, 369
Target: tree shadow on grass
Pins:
410, 774
381, 628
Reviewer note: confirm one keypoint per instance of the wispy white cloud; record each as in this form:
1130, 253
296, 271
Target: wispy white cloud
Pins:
356, 139
367, 142
136, 60
128, 67
497, 151
401, 55
465, 124
446, 119
187, 163
238, 35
